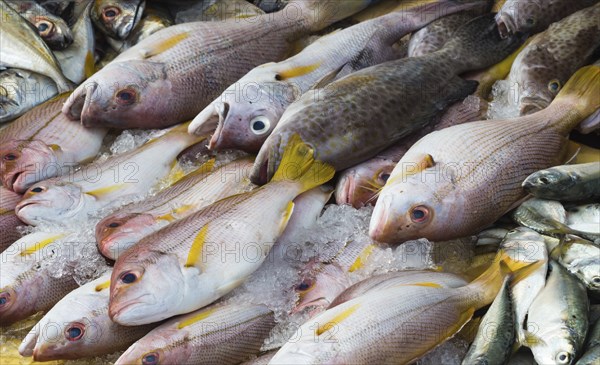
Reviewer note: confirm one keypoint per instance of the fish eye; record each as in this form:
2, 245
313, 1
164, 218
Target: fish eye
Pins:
38, 189
126, 96
4, 299
150, 358
75, 332
554, 86
260, 125
10, 157
383, 177
596, 280
45, 28
305, 285
128, 277
419, 214
530, 21
113, 225
110, 13
563, 357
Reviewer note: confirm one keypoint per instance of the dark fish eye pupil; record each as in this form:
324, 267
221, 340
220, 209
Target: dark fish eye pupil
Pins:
113, 225
110, 13
42, 27
385, 177
303, 286
258, 125
3, 300
37, 190
530, 21
128, 278
74, 332
418, 214
10, 157
125, 95
151, 359
544, 180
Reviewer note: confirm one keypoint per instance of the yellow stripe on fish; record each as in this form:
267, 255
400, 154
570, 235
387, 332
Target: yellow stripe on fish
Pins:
166, 44
336, 320
103, 286
198, 317
194, 258
171, 216
41, 244
360, 260
99, 193
297, 72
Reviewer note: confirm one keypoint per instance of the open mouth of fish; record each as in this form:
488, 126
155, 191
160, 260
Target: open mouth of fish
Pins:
505, 26
221, 111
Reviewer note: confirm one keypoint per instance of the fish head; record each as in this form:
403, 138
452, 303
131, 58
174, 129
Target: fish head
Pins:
269, 157
588, 270
54, 31
119, 231
554, 348
11, 302
554, 179
50, 201
360, 185
319, 286
155, 349
130, 94
518, 16
145, 287
117, 18
11, 95
24, 163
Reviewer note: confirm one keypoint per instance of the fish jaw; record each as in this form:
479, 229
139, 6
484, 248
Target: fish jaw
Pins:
24, 163
116, 233
357, 186
264, 166
53, 204
506, 23
532, 104
322, 289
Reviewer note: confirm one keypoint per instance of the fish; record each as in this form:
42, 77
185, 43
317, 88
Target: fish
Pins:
557, 321
452, 182
78, 326
566, 182
248, 110
543, 216
26, 286
525, 245
262, 359
590, 357
217, 10
224, 333
153, 20
21, 90
53, 29
552, 57
117, 18
270, 6
592, 345
492, 236
195, 261
581, 258
8, 219
496, 334
368, 329
354, 118
25, 49
42, 144
70, 199
584, 218
592, 123
77, 60
173, 74
533, 16
120, 230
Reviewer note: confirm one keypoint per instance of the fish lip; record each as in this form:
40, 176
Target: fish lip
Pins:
531, 105
217, 138
114, 313
505, 25
88, 118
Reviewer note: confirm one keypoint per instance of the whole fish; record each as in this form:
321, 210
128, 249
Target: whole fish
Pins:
557, 321
566, 183
72, 198
153, 20
8, 219
219, 334
21, 90
584, 218
78, 326
459, 179
552, 57
525, 245
496, 334
127, 226
246, 113
24, 49
582, 259
117, 18
395, 325
193, 262
42, 144
358, 116
53, 29
533, 16
173, 74
26, 286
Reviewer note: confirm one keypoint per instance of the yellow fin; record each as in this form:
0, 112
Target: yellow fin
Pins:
296, 72
41, 244
336, 320
166, 44
171, 216
424, 162
581, 91
194, 258
426, 284
196, 318
103, 286
533, 340
89, 67
360, 260
286, 216
99, 193
298, 164
54, 147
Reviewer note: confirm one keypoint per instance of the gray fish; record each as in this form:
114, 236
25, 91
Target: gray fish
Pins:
21, 90
543, 216
566, 183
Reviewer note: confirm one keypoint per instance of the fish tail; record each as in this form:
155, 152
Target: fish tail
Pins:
580, 94
319, 14
298, 164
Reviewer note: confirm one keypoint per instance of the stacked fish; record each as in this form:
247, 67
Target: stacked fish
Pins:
166, 168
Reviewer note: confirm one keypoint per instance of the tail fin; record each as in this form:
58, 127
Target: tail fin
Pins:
298, 164
477, 45
582, 95
319, 14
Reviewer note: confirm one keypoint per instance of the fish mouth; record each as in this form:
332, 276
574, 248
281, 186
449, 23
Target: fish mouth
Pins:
347, 183
117, 314
112, 246
216, 142
26, 203
378, 227
79, 101
506, 26
531, 105
321, 302
205, 122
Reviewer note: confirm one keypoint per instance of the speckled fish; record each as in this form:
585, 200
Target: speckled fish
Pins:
585, 218
369, 330
173, 74
525, 245
557, 321
220, 334
496, 334
8, 219
247, 112
533, 16
356, 117
127, 226
44, 143
72, 198
456, 180
566, 183
23, 48
53, 29
78, 326
190, 263
117, 18
552, 57
26, 286
581, 258
16, 96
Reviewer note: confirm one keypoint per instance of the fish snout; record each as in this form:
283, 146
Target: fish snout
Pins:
24, 163
206, 122
218, 138
345, 188
79, 100
380, 227
505, 24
